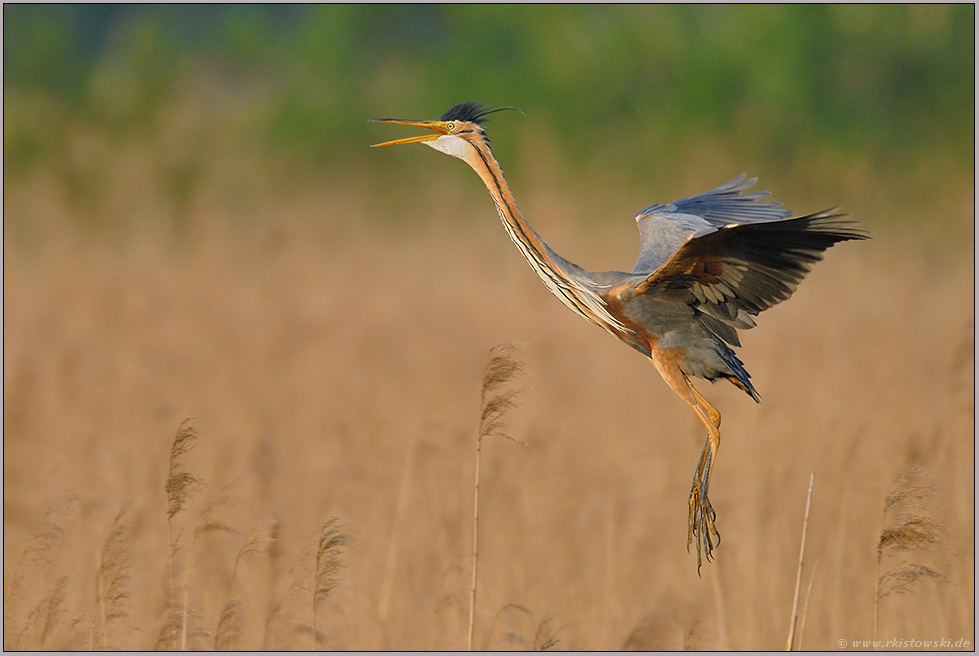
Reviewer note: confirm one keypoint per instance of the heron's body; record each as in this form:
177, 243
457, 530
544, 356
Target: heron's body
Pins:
707, 266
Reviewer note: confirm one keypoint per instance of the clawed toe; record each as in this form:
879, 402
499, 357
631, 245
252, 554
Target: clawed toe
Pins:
701, 526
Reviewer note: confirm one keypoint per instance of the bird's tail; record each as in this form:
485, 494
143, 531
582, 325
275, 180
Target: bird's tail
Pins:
738, 375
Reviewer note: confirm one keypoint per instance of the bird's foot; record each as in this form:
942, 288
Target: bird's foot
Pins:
701, 524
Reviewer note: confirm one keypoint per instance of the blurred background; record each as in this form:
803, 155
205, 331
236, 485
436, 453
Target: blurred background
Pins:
811, 98
194, 226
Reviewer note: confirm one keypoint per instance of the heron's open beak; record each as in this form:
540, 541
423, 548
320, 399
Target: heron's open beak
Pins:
436, 126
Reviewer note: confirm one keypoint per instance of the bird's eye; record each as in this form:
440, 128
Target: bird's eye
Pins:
450, 126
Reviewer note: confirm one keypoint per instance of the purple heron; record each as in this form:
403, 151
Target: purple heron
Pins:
707, 266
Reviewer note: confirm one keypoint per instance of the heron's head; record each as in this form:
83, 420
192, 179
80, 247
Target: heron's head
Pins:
451, 131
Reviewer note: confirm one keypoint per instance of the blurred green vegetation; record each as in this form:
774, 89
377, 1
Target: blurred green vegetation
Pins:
892, 85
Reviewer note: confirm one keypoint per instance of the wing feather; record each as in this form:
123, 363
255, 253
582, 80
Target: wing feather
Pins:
727, 204
664, 228
738, 270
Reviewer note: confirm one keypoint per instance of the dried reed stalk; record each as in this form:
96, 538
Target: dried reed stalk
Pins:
502, 368
723, 637
805, 607
397, 530
790, 641
180, 486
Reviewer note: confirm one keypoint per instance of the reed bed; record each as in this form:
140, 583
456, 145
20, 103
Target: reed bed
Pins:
332, 368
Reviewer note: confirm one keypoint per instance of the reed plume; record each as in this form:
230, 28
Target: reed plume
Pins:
112, 582
38, 561
910, 529
180, 486
258, 543
516, 627
326, 574
502, 368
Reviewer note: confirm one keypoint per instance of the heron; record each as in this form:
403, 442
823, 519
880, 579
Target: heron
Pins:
707, 266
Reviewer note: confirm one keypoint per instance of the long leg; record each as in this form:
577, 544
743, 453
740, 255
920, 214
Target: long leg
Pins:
701, 515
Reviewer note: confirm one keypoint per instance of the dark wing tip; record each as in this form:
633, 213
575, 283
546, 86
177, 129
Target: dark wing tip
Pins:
833, 221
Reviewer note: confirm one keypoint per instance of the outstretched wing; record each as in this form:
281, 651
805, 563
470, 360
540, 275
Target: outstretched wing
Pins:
731, 273
664, 228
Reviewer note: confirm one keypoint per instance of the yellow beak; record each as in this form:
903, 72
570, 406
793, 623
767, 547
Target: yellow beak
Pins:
437, 126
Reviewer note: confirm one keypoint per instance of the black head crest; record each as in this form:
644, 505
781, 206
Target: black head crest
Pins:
471, 112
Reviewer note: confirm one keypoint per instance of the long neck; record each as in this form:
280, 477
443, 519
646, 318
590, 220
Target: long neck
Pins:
569, 282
